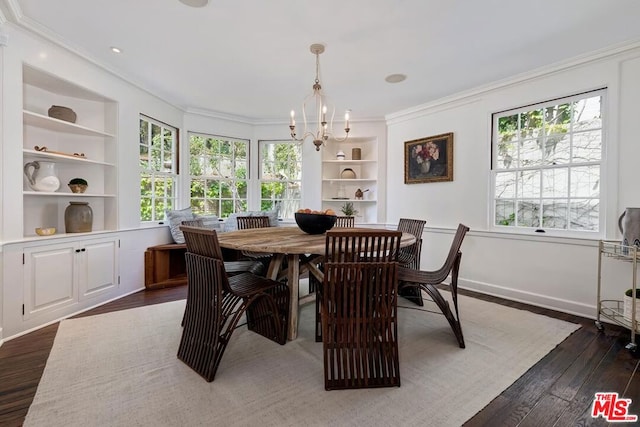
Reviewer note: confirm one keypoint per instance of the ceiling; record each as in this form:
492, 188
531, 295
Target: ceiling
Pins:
251, 59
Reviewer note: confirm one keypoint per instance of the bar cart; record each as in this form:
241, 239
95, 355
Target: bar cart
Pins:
613, 310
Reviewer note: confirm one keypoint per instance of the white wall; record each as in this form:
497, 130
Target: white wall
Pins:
24, 47
554, 272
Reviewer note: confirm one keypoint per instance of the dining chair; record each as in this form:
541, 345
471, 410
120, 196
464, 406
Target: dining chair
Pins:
216, 302
247, 222
344, 222
429, 281
410, 255
359, 309
232, 267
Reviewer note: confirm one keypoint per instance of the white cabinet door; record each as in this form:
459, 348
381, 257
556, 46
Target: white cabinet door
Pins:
97, 267
60, 275
49, 278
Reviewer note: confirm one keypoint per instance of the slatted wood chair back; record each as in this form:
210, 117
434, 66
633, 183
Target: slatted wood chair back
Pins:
202, 241
345, 222
410, 255
359, 309
245, 222
363, 245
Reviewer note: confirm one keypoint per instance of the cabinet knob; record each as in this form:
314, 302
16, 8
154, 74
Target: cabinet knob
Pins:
77, 250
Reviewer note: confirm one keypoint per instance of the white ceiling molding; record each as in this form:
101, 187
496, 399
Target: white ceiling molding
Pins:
34, 27
463, 98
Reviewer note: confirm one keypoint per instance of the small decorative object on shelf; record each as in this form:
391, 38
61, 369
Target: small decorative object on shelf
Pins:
360, 193
62, 113
45, 231
78, 218
348, 173
356, 154
42, 176
78, 185
348, 209
340, 155
60, 153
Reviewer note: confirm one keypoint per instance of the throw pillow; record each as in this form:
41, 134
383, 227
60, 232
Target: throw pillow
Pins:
175, 221
209, 221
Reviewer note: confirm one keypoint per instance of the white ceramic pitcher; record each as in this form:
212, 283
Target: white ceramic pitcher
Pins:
631, 228
42, 176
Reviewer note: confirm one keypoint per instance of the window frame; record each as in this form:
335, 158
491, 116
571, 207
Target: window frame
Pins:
260, 180
601, 163
232, 181
170, 200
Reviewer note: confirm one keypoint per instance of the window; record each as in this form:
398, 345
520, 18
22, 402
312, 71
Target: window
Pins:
218, 167
547, 164
280, 176
158, 168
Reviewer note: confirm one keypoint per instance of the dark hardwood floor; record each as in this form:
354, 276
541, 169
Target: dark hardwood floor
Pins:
557, 391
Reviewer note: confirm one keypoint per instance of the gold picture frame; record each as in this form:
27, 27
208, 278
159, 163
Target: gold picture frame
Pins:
429, 159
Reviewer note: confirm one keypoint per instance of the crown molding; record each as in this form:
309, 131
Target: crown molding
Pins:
466, 97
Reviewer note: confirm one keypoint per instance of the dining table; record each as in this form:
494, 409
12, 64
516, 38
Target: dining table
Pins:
303, 253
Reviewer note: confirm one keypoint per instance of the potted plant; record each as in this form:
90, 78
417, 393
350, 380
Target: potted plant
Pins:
78, 185
628, 300
348, 209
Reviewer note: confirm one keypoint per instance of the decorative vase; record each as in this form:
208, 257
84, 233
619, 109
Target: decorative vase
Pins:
631, 229
340, 155
425, 166
356, 154
42, 176
348, 173
78, 217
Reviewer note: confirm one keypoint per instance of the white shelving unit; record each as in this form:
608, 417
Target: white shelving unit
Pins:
92, 139
336, 191
613, 310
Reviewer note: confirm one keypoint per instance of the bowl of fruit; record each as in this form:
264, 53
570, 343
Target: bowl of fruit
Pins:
315, 222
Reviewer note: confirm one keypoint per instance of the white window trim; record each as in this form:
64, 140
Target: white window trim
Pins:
604, 182
175, 174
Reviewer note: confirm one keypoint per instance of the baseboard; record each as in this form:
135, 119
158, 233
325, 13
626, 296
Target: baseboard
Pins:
66, 316
544, 301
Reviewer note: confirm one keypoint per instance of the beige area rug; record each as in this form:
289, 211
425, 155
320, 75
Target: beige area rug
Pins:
120, 369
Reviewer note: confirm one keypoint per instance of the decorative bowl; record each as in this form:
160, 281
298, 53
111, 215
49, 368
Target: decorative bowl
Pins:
315, 223
78, 188
48, 231
62, 113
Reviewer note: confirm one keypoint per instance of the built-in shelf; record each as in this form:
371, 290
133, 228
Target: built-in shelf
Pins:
39, 120
62, 158
63, 194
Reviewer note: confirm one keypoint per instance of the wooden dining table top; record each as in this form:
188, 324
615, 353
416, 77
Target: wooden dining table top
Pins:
284, 240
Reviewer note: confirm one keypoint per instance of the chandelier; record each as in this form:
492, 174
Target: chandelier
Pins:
324, 128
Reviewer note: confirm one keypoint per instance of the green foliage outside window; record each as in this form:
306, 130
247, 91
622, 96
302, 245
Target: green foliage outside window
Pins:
219, 171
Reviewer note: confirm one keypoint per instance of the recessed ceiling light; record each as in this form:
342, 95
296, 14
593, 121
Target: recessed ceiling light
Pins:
395, 78
195, 3
116, 49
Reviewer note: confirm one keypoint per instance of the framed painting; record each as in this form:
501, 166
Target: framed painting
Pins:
429, 159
